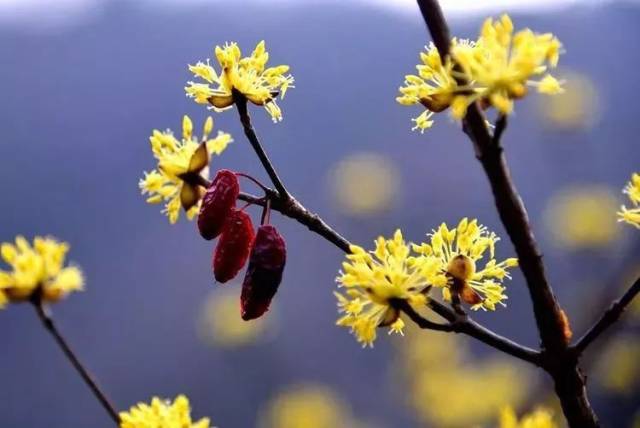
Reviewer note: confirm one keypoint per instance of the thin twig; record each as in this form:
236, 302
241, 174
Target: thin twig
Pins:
609, 318
298, 212
50, 326
245, 119
464, 324
419, 320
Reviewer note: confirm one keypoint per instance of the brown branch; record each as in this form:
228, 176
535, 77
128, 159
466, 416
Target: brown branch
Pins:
609, 318
50, 326
462, 323
404, 306
289, 207
245, 119
558, 361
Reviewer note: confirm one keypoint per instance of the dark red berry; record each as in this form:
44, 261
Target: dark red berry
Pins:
264, 274
233, 247
217, 203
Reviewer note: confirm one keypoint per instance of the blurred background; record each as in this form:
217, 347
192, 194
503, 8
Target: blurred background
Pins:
83, 84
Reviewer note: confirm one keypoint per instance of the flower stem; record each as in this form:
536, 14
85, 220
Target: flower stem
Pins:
50, 326
245, 119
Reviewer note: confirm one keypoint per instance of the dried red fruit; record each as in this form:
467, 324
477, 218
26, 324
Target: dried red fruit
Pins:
264, 274
234, 246
217, 203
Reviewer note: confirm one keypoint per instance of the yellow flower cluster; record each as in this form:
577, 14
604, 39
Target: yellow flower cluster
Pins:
373, 279
435, 86
40, 266
450, 261
247, 75
632, 215
162, 414
495, 70
179, 161
539, 418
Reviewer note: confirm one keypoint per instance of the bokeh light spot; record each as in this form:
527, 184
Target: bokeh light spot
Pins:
576, 108
583, 216
220, 324
307, 405
365, 184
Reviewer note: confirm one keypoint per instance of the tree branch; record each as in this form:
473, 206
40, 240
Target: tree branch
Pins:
404, 306
49, 324
508, 202
569, 382
245, 119
295, 210
609, 318
462, 323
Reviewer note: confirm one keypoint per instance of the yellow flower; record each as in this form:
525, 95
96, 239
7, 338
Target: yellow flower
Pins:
371, 280
247, 76
450, 261
539, 418
161, 414
179, 163
435, 86
632, 190
495, 69
40, 266
502, 64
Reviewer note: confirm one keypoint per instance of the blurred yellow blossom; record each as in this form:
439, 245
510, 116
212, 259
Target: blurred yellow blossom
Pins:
180, 161
449, 260
539, 418
306, 406
221, 325
162, 414
365, 183
577, 107
632, 190
495, 69
442, 367
581, 216
617, 369
41, 266
371, 279
247, 76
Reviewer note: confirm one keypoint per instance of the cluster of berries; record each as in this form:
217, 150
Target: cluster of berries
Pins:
265, 249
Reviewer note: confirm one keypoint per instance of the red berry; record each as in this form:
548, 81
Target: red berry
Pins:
233, 247
217, 203
264, 274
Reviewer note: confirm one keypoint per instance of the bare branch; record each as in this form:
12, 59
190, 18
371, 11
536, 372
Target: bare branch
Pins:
609, 318
49, 324
245, 119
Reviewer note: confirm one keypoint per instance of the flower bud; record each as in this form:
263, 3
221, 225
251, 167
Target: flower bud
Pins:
264, 273
217, 203
233, 247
